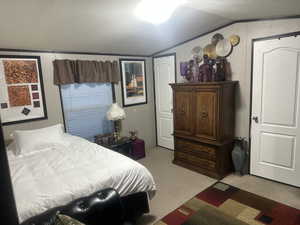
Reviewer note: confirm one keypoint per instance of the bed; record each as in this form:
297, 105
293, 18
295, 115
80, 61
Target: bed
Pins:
58, 174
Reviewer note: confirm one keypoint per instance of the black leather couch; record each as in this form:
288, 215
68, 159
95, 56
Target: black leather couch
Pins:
104, 207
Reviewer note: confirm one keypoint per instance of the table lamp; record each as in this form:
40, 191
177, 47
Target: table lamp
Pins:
116, 114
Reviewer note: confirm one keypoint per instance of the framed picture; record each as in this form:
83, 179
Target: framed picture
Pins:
22, 97
134, 84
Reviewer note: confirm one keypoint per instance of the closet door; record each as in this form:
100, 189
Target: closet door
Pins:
164, 72
275, 128
183, 115
206, 113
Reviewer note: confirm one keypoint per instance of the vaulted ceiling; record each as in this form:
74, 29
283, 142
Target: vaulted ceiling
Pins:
110, 26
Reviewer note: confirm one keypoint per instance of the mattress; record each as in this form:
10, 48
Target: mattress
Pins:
56, 175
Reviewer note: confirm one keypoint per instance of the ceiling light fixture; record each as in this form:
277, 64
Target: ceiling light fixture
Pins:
157, 11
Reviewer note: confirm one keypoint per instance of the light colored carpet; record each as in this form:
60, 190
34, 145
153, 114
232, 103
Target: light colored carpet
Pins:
269, 189
176, 185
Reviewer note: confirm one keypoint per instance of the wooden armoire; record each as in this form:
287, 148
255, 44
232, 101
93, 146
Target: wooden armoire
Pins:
204, 126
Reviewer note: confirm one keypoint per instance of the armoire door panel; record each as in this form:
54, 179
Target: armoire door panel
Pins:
183, 113
206, 114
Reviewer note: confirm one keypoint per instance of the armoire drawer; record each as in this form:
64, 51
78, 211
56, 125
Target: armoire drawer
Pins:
197, 149
196, 161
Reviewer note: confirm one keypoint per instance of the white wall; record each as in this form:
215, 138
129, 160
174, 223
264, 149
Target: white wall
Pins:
142, 117
240, 59
139, 117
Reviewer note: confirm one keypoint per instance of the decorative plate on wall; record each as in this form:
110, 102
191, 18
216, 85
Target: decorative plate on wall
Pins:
223, 48
197, 54
210, 51
216, 38
234, 40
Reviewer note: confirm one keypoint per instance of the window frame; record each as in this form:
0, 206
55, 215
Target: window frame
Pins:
62, 104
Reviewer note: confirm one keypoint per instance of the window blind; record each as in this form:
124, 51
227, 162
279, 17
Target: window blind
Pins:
85, 106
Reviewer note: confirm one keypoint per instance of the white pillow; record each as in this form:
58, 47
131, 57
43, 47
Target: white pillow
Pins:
28, 141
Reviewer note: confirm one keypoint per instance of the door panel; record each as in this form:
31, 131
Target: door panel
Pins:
275, 102
277, 149
183, 113
166, 128
206, 114
279, 85
164, 70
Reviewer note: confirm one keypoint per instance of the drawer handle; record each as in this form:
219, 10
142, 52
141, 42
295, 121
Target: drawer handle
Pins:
204, 114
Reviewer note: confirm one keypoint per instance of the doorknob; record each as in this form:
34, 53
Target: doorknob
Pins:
255, 118
172, 110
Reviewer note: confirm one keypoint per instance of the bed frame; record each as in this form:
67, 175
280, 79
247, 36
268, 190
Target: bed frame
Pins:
102, 207
135, 205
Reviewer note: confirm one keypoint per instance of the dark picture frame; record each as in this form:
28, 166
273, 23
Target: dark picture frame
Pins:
30, 108
133, 81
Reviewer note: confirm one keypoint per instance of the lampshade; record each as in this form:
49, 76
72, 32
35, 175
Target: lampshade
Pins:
115, 112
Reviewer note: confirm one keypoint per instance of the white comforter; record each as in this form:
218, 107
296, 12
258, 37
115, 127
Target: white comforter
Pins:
57, 175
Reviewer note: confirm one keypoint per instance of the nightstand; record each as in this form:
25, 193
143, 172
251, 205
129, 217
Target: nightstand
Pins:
138, 149
123, 146
134, 149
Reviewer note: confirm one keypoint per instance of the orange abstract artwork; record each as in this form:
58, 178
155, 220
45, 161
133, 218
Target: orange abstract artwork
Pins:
19, 95
20, 71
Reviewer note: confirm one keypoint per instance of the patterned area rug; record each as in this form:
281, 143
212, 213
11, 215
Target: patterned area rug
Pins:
222, 204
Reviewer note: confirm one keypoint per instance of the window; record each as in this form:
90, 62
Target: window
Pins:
85, 106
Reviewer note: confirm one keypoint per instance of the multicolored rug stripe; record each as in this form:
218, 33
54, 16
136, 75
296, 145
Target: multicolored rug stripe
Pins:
244, 206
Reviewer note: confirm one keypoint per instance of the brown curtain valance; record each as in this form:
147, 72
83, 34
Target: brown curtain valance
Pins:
82, 71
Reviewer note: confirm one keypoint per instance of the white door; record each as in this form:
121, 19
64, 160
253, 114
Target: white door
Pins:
275, 127
164, 70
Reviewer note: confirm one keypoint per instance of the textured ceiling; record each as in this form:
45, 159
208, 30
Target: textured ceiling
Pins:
109, 26
248, 9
